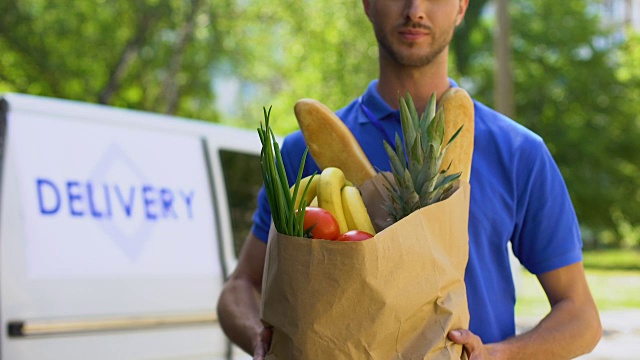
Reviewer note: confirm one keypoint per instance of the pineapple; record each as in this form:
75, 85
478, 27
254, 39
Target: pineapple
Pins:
415, 163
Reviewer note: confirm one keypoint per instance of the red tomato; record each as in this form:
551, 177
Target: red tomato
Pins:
354, 235
321, 224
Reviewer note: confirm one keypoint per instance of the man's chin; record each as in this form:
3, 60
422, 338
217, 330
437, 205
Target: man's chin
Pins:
410, 55
414, 60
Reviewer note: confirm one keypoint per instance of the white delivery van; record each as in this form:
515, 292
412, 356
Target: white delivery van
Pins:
117, 229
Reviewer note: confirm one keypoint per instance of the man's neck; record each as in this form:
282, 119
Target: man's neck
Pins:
420, 82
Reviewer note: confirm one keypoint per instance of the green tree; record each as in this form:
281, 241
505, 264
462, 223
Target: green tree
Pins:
463, 47
316, 49
145, 54
569, 91
628, 73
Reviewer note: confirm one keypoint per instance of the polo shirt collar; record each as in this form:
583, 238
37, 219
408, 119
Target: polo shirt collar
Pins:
378, 107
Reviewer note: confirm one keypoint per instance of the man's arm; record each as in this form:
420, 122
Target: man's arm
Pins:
239, 306
571, 329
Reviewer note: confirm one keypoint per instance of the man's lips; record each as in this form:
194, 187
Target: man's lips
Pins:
413, 34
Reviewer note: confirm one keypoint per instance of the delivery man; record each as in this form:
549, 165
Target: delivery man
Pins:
518, 196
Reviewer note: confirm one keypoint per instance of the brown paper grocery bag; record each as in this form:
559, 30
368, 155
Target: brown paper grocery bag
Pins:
394, 296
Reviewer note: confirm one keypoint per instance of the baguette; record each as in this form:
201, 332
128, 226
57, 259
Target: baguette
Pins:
458, 111
331, 143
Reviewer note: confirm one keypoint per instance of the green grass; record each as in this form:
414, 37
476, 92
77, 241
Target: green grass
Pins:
530, 298
613, 276
614, 259
611, 289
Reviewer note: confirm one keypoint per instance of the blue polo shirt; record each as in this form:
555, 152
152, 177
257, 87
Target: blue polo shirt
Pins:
518, 199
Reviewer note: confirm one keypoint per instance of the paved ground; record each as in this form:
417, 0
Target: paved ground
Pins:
621, 335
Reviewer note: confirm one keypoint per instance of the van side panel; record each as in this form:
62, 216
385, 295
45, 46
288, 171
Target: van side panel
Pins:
115, 233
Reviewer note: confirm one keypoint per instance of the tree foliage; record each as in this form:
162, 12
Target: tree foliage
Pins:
570, 90
152, 55
464, 47
317, 49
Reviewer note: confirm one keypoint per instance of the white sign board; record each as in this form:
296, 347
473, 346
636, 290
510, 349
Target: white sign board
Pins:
105, 201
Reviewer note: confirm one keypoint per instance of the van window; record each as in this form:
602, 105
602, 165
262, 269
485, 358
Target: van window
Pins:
243, 179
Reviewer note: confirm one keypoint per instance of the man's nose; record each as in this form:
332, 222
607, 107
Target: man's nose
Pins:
416, 10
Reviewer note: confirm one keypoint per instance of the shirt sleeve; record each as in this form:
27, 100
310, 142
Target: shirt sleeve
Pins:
547, 235
262, 217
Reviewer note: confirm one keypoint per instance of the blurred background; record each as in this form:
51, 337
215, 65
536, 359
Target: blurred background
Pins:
568, 70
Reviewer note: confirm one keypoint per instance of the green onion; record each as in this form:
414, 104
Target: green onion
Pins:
274, 176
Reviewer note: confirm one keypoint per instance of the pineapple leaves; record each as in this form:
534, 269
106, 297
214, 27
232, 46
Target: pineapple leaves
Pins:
408, 124
416, 156
416, 163
397, 165
431, 108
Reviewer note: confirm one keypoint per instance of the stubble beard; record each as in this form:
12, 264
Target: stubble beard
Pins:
409, 58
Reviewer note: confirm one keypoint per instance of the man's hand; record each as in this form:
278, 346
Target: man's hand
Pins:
472, 343
571, 329
264, 344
